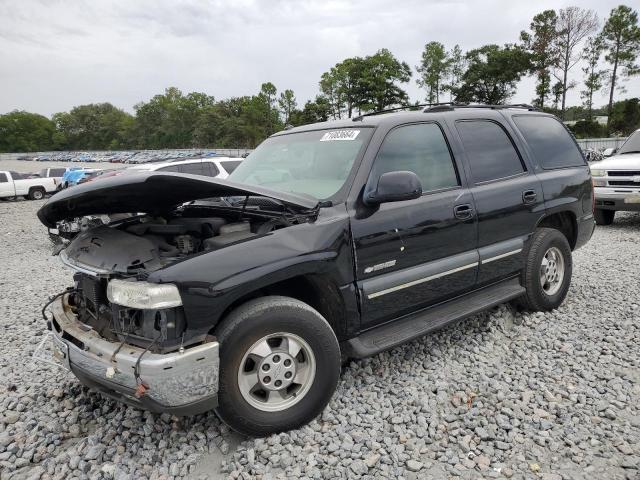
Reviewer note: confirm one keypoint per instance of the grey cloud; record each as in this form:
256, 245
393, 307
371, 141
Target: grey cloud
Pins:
55, 55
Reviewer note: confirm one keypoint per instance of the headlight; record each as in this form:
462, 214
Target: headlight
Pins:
598, 173
143, 295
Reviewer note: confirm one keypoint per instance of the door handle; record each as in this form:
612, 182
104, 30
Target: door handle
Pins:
463, 212
529, 196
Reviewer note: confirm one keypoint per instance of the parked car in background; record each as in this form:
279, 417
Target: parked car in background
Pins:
352, 237
93, 175
219, 167
14, 184
53, 172
617, 180
75, 175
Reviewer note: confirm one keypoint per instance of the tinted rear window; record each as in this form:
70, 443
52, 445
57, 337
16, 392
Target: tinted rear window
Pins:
489, 149
210, 169
194, 168
3, 178
549, 141
56, 172
171, 168
230, 165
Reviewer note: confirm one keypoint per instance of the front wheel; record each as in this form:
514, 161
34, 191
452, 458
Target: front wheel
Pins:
604, 217
279, 365
547, 272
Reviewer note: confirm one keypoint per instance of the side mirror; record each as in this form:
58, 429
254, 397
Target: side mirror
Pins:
609, 151
395, 187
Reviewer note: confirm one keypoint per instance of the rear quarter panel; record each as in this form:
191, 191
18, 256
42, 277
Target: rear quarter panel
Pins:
565, 189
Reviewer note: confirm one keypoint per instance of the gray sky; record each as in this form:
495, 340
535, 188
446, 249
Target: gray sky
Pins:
56, 54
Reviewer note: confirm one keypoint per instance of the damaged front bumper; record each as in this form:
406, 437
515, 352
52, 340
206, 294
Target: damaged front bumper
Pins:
181, 383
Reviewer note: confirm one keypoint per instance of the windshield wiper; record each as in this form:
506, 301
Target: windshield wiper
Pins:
629, 151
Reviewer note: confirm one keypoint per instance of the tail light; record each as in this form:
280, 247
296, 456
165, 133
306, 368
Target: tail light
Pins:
593, 197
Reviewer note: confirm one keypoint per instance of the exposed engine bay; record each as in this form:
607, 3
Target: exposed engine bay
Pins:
137, 244
132, 246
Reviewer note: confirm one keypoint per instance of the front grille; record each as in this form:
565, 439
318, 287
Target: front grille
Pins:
624, 183
623, 173
623, 178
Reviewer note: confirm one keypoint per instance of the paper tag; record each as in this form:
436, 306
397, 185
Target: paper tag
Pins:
340, 135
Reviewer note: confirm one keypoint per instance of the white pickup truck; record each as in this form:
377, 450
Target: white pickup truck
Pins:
617, 180
14, 184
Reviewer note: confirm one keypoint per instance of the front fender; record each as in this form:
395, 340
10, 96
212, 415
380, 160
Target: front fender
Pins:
210, 282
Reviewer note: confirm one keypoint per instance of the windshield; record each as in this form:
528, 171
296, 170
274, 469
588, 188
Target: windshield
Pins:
632, 144
315, 163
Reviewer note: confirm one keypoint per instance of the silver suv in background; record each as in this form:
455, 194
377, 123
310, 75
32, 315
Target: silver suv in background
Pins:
617, 180
218, 167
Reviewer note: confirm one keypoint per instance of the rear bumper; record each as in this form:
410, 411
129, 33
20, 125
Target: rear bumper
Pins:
179, 383
616, 199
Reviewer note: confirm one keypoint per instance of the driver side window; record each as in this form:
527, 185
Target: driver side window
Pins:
421, 149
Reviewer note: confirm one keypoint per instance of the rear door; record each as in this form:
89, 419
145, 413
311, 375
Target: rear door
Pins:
507, 194
416, 253
6, 185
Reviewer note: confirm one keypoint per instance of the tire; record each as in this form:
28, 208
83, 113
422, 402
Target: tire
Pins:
36, 193
604, 217
546, 244
249, 327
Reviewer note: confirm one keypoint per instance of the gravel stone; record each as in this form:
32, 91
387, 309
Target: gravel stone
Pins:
503, 394
414, 465
10, 417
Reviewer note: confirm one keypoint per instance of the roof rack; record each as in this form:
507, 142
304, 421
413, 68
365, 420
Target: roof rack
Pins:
391, 110
451, 106
444, 106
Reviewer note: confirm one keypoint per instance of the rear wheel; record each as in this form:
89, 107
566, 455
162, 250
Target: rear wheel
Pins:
604, 217
36, 193
547, 272
279, 365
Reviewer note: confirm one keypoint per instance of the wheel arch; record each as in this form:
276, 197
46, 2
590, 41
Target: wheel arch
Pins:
317, 291
563, 221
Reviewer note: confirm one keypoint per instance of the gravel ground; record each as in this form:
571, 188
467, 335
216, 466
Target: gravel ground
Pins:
501, 395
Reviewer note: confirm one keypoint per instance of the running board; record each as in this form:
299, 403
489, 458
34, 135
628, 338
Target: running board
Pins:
420, 323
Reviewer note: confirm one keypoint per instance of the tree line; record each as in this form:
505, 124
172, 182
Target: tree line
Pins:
555, 43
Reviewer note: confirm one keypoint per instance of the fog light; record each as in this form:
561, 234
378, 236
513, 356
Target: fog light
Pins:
143, 295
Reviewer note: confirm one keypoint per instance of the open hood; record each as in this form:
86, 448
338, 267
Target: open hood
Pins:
151, 192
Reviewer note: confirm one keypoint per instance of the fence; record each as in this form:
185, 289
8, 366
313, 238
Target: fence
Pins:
600, 144
229, 152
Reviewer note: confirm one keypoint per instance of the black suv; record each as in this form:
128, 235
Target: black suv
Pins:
330, 241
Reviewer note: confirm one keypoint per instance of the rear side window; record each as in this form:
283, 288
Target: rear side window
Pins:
210, 169
194, 168
551, 144
170, 168
489, 149
420, 149
231, 165
3, 178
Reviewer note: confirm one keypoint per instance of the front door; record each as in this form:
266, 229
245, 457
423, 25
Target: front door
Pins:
413, 254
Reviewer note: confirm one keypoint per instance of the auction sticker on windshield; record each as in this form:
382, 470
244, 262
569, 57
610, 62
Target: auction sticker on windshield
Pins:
340, 135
